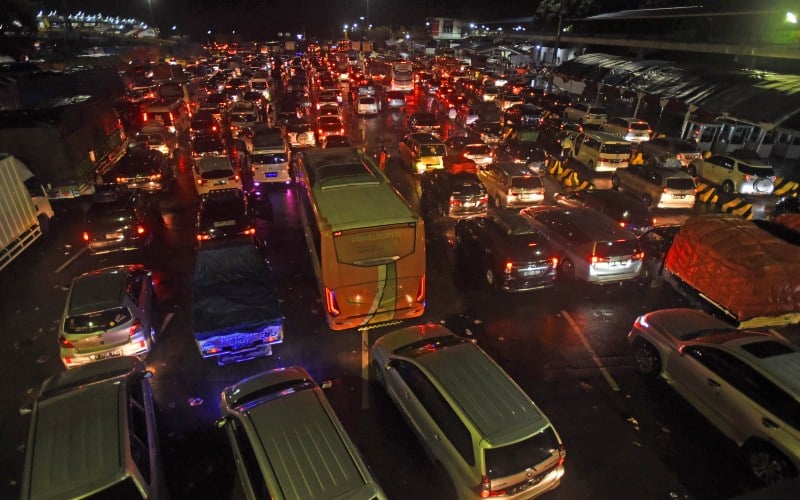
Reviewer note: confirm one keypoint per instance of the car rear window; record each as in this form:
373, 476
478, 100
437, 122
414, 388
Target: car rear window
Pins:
217, 173
616, 149
467, 187
271, 158
639, 126
616, 248
367, 100
96, 321
110, 217
478, 149
679, 183
517, 457
597, 111
527, 182
756, 170
432, 150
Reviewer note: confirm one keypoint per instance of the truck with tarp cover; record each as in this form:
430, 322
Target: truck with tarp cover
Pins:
236, 314
743, 271
65, 142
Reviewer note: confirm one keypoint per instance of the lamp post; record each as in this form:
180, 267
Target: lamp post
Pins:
152, 18
558, 36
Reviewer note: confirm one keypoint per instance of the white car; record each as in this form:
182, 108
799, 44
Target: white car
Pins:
269, 168
630, 129
241, 120
215, 172
366, 105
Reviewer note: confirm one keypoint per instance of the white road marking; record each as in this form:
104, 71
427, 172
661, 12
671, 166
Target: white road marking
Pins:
586, 345
69, 261
167, 319
364, 368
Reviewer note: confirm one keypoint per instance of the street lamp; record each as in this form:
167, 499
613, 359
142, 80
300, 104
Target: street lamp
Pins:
152, 18
791, 18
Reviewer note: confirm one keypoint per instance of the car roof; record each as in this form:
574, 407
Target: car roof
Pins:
78, 441
98, 290
495, 404
585, 219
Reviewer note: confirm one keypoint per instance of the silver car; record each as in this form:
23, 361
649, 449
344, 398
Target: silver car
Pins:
743, 382
109, 313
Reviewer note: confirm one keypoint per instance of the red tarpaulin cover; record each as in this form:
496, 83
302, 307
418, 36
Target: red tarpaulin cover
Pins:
738, 266
459, 165
792, 221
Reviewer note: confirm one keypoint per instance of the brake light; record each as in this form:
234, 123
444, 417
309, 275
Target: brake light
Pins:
144, 117
250, 230
747, 177
155, 177
454, 202
555, 262
135, 327
65, 343
331, 303
203, 237
421, 293
596, 259
486, 489
638, 256
140, 229
562, 455
484, 199
85, 236
622, 225
200, 182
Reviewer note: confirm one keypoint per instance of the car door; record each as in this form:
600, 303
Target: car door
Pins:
713, 169
399, 377
703, 375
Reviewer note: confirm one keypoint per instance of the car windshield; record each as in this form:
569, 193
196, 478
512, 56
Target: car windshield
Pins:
97, 321
507, 460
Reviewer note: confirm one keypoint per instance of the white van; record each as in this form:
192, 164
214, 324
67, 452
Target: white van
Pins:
215, 172
601, 151
174, 115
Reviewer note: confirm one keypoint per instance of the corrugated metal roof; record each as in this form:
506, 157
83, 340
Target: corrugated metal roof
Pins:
752, 95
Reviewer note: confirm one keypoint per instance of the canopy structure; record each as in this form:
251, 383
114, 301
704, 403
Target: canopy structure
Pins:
751, 95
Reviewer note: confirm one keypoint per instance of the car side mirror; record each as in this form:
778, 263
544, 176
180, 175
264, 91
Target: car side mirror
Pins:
221, 422
326, 384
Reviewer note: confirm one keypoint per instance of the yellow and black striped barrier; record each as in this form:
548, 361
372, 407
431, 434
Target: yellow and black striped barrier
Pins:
738, 206
555, 167
785, 187
707, 193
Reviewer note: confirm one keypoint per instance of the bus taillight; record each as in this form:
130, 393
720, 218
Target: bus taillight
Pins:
421, 293
330, 302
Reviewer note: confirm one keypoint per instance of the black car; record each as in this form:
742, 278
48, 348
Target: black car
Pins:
204, 122
120, 219
553, 130
424, 122
627, 211
457, 195
142, 168
207, 143
521, 115
508, 253
223, 214
522, 147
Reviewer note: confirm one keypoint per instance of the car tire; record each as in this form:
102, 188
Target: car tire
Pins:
647, 201
767, 464
646, 358
615, 183
44, 225
566, 271
590, 165
727, 187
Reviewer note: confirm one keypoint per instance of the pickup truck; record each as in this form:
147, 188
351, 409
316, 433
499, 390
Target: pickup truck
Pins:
235, 311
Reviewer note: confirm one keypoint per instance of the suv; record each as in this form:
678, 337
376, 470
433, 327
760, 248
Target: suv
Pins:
143, 168
93, 434
472, 418
511, 185
522, 147
511, 257
422, 152
685, 151
741, 171
630, 129
456, 195
109, 313
583, 113
223, 214
743, 382
656, 186
287, 440
119, 219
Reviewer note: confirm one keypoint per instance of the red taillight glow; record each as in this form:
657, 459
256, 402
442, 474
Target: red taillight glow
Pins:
250, 230
638, 256
85, 236
155, 177
135, 327
65, 343
331, 303
144, 117
200, 182
622, 225
421, 292
555, 262
203, 237
596, 259
139, 229
509, 266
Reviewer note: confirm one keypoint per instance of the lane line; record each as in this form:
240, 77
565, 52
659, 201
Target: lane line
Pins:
777, 334
364, 368
69, 261
167, 319
586, 345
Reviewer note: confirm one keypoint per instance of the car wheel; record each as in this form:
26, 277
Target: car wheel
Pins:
615, 182
727, 187
767, 464
590, 165
647, 200
567, 270
44, 225
692, 170
647, 360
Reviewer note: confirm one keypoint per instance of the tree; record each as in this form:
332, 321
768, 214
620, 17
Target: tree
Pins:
549, 10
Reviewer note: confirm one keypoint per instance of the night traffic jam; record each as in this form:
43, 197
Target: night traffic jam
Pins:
449, 262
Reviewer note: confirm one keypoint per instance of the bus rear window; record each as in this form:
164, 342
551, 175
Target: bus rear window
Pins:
376, 245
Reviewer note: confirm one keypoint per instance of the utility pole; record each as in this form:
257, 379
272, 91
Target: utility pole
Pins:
558, 36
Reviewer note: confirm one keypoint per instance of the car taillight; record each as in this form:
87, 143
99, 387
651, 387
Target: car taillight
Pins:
486, 489
121, 180
554, 260
234, 178
249, 230
622, 225
85, 236
638, 256
509, 266
330, 302
454, 202
203, 237
140, 229
144, 117
65, 343
421, 291
135, 327
155, 177
596, 259
484, 199
747, 177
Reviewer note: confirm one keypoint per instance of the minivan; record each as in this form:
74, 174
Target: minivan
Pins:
422, 152
287, 441
473, 420
583, 113
511, 185
93, 434
657, 186
630, 129
601, 151
590, 246
172, 114
215, 172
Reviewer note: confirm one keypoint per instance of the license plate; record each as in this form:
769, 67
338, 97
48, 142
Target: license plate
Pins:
225, 223
468, 204
679, 196
619, 263
219, 183
106, 355
531, 272
113, 236
272, 174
